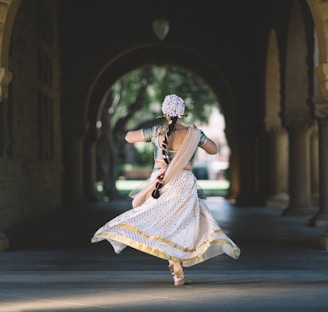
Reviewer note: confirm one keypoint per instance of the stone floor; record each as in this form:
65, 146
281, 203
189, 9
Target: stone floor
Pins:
52, 266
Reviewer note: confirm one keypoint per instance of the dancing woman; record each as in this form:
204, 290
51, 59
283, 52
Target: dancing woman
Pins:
168, 219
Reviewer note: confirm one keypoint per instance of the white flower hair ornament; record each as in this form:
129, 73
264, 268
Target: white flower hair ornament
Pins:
173, 105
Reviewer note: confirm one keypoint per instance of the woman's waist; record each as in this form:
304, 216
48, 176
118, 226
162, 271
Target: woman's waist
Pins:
160, 164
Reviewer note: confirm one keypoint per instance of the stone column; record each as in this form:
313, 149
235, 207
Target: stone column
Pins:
233, 165
74, 166
321, 114
90, 166
5, 79
277, 164
320, 103
315, 165
76, 169
233, 177
246, 140
300, 202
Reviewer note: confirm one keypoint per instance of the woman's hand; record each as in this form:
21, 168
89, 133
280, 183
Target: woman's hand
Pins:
134, 136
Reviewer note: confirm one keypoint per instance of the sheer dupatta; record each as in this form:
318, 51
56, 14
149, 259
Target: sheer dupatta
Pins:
185, 152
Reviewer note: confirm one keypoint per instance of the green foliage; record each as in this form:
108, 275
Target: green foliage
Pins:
144, 154
161, 81
135, 100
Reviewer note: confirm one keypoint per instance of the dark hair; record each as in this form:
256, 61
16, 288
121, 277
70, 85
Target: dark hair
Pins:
169, 131
156, 193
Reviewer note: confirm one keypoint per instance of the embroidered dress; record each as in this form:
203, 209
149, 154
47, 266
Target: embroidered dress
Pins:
177, 226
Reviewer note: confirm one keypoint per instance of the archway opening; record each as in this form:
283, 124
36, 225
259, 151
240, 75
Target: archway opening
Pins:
134, 101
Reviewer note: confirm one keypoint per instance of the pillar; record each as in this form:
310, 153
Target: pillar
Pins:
300, 201
321, 114
5, 79
277, 164
320, 103
314, 162
74, 166
233, 165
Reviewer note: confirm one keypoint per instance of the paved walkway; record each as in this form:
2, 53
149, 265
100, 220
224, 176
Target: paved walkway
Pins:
53, 267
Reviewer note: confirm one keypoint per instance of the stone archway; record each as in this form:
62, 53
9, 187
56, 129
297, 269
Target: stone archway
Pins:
135, 59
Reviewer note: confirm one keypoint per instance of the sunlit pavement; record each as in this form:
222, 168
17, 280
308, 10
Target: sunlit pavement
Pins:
55, 268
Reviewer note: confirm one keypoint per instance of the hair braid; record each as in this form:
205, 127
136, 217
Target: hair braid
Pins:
169, 131
156, 193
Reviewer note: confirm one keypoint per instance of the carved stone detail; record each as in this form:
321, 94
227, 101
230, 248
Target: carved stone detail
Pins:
273, 125
320, 107
299, 122
5, 78
321, 73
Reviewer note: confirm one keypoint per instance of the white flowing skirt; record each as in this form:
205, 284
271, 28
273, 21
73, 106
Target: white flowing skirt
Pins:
177, 226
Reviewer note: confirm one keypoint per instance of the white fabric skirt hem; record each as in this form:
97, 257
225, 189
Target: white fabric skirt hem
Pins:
177, 226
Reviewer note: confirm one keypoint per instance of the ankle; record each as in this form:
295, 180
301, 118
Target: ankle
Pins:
178, 271
178, 278
171, 267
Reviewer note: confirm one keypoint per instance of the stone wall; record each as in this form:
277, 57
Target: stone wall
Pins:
31, 153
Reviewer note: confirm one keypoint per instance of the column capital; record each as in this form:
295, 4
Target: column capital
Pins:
320, 107
321, 72
273, 125
5, 78
299, 122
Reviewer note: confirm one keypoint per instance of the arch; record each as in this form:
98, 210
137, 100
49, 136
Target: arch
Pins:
319, 11
7, 17
157, 55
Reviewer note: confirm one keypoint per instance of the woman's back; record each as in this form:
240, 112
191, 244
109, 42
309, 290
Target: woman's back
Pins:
176, 138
